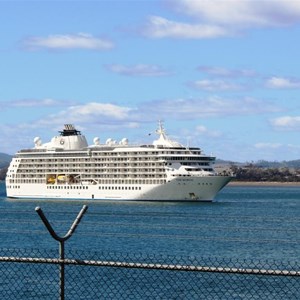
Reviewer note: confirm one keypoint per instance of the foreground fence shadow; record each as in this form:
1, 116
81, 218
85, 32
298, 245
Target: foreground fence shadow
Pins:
34, 274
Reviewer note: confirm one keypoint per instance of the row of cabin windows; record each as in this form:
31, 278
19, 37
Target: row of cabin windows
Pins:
49, 161
105, 181
65, 187
42, 180
70, 187
120, 188
86, 159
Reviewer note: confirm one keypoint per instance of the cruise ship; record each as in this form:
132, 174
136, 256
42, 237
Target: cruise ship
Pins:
68, 168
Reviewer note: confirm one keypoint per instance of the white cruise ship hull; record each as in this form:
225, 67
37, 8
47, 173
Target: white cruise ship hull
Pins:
68, 168
178, 189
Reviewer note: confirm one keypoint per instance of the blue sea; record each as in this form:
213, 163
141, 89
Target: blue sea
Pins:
256, 224
243, 222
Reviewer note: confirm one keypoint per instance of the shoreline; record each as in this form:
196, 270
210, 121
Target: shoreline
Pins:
263, 183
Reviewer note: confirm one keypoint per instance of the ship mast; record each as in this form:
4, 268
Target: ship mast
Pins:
161, 130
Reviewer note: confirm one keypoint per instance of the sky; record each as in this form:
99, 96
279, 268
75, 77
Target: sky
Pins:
222, 75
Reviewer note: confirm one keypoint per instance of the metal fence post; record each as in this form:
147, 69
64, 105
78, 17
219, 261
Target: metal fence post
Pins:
61, 241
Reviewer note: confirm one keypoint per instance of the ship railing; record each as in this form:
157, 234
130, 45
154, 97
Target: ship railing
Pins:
31, 150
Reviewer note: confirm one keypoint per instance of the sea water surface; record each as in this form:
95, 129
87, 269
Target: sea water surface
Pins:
258, 223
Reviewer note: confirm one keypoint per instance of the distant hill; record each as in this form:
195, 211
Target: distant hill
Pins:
275, 164
4, 160
4, 163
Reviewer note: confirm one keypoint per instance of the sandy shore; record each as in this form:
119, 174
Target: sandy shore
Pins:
263, 183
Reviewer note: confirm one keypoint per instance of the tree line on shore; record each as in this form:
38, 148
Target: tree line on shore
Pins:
252, 172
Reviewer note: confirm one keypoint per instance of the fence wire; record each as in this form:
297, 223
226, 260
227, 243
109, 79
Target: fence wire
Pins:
34, 274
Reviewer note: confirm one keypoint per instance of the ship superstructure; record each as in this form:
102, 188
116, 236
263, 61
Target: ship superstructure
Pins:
68, 168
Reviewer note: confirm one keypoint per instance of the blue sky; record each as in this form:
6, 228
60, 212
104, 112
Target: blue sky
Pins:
223, 75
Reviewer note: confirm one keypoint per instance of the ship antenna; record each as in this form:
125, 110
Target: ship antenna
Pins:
160, 129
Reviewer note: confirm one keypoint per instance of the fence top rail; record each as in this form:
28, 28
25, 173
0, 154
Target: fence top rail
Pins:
153, 266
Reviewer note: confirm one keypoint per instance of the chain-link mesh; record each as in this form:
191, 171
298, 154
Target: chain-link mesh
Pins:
34, 274
31, 279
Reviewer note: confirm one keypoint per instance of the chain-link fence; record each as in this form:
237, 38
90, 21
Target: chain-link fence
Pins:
35, 274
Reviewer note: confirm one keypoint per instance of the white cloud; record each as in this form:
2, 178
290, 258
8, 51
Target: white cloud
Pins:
92, 113
205, 107
158, 27
139, 70
30, 103
181, 109
286, 123
33, 102
66, 42
222, 18
224, 72
246, 13
283, 83
95, 112
111, 116
92, 118
214, 85
267, 145
95, 116
102, 119
202, 130
276, 151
